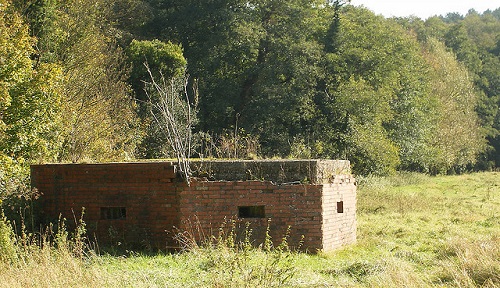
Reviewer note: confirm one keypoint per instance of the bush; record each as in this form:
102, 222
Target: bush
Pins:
7, 240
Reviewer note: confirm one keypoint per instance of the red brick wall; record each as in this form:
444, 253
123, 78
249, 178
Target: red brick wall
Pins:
297, 206
146, 191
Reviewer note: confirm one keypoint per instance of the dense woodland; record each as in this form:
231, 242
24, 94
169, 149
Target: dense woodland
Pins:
263, 78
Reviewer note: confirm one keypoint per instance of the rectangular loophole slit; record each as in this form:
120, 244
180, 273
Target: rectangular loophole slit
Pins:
112, 213
340, 207
251, 212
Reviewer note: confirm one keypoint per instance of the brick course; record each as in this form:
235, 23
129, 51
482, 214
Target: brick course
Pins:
158, 203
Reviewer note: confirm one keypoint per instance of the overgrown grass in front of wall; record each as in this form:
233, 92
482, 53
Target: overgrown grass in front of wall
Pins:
413, 231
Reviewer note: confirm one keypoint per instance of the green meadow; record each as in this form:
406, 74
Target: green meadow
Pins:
413, 231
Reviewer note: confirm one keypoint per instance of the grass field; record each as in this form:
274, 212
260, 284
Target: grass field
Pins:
413, 231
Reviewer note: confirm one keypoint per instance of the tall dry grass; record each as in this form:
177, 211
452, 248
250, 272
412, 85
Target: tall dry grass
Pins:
471, 263
54, 258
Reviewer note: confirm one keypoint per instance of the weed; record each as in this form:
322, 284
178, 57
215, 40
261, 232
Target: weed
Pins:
241, 263
8, 251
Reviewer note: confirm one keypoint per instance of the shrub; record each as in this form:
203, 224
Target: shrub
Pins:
7, 240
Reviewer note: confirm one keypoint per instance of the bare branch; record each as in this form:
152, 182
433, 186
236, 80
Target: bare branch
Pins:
174, 114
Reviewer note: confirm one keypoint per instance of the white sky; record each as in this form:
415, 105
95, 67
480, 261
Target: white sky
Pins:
425, 8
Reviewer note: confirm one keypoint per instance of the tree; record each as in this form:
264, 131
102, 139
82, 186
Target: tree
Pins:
376, 81
99, 118
368, 143
163, 62
458, 138
473, 39
174, 115
457, 39
246, 56
332, 79
15, 45
483, 32
29, 103
40, 15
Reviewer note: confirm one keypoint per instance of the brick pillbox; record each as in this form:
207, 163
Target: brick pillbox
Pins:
144, 204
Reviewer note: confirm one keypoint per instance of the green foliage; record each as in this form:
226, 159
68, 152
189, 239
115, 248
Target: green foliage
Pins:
300, 78
368, 143
32, 117
482, 34
465, 50
163, 59
164, 64
473, 39
13, 177
378, 79
254, 65
70, 101
29, 100
29, 105
40, 16
15, 50
7, 244
458, 139
338, 79
98, 114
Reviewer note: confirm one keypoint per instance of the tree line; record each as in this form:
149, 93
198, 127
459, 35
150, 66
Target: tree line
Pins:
267, 78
